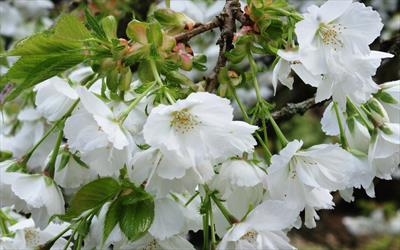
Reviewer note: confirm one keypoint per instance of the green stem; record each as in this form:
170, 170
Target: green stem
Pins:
278, 131
4, 228
343, 139
27, 156
205, 229
284, 12
240, 104
51, 242
253, 68
156, 75
268, 153
228, 216
364, 120
213, 240
192, 198
52, 163
247, 119
133, 104
168, 3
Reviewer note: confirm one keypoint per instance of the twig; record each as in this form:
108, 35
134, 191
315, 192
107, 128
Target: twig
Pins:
198, 29
295, 108
225, 41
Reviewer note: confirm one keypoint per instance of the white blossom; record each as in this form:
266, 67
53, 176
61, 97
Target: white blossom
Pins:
199, 128
262, 228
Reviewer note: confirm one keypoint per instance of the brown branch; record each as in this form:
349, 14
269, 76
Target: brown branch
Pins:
198, 29
292, 109
225, 41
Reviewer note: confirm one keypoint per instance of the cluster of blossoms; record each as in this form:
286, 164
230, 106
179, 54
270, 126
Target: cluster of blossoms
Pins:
140, 169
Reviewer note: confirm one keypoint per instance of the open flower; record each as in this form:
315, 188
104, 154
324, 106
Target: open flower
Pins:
27, 236
336, 27
31, 130
240, 184
306, 177
199, 128
36, 194
262, 228
103, 144
164, 173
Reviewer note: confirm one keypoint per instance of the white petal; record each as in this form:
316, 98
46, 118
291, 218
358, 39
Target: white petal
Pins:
168, 219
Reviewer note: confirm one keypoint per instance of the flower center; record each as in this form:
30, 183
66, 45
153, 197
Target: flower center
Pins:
250, 237
152, 245
183, 121
330, 34
31, 237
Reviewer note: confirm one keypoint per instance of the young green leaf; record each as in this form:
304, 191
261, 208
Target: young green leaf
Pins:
95, 26
93, 195
71, 28
136, 218
112, 218
30, 70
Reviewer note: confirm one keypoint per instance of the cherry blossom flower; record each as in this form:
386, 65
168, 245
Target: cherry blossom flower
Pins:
199, 127
262, 228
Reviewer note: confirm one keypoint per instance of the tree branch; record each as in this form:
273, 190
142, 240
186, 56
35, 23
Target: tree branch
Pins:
225, 41
292, 109
198, 29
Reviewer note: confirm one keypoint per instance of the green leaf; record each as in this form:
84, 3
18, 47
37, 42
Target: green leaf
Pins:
93, 195
136, 218
112, 218
30, 70
95, 26
71, 28
45, 43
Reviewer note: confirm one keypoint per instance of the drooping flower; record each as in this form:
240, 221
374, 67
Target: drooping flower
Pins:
306, 177
54, 97
102, 142
262, 228
240, 184
31, 130
167, 172
27, 236
199, 128
36, 194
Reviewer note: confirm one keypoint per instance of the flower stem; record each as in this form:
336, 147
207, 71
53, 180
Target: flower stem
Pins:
133, 104
159, 81
28, 155
278, 131
284, 12
228, 216
253, 68
51, 165
211, 219
343, 139
4, 228
246, 118
364, 121
192, 198
205, 230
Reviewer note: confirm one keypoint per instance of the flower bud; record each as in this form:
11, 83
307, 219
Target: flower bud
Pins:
125, 79
109, 25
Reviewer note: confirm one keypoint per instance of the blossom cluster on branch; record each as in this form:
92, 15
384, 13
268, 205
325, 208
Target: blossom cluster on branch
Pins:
106, 142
